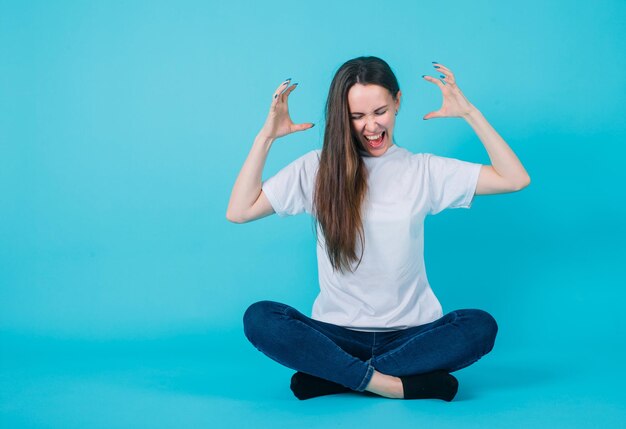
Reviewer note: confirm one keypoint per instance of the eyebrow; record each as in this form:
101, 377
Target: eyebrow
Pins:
375, 110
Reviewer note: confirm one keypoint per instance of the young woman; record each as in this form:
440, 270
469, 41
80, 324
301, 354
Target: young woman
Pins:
376, 325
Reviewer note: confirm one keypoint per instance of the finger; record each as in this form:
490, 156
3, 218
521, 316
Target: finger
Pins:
286, 92
302, 127
448, 80
440, 66
432, 115
431, 79
448, 75
281, 88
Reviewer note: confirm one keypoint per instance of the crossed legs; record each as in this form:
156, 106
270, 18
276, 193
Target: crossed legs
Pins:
384, 363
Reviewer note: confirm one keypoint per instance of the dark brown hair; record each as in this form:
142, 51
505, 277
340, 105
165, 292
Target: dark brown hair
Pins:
341, 182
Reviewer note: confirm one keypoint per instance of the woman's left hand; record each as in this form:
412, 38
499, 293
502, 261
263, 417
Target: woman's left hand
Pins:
454, 105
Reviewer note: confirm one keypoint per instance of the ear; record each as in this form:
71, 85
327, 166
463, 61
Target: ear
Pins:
398, 96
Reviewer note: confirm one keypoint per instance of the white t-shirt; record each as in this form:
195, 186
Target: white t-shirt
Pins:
389, 290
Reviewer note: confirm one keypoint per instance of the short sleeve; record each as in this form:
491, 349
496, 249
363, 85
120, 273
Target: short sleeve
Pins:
451, 183
290, 191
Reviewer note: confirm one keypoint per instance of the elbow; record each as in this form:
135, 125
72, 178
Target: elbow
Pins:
521, 184
234, 217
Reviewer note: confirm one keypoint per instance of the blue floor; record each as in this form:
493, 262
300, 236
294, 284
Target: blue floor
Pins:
187, 382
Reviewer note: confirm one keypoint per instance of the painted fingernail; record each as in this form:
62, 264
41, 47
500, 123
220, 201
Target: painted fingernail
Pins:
423, 75
436, 67
435, 62
275, 95
442, 75
295, 84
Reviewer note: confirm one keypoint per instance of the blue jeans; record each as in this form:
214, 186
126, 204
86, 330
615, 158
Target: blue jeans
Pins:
350, 357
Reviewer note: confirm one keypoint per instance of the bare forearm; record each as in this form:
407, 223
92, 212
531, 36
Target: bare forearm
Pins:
247, 187
502, 157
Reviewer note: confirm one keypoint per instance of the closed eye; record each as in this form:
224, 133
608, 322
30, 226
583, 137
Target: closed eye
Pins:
377, 114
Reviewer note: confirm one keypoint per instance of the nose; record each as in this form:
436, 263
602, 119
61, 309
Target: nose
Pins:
370, 124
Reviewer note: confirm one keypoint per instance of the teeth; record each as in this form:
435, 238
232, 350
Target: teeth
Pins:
376, 137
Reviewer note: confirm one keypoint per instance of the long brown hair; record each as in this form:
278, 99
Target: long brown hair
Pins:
341, 182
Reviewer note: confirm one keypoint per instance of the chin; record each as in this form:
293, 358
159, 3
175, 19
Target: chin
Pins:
377, 151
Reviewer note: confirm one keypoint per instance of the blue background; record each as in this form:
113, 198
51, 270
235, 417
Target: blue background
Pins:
123, 126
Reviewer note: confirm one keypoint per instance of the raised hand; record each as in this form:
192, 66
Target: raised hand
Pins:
454, 104
278, 122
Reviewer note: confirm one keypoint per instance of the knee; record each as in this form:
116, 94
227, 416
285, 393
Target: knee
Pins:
256, 319
483, 330
489, 329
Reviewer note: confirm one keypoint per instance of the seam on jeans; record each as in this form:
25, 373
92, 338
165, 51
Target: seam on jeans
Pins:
370, 368
335, 344
368, 376
403, 346
315, 331
373, 346
343, 337
271, 355
347, 339
469, 341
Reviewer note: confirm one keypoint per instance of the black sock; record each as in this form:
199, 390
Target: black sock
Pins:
433, 385
306, 386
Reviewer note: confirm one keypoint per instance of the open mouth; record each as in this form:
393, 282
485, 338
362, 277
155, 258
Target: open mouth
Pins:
376, 141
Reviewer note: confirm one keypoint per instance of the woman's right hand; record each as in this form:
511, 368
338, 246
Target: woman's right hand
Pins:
278, 122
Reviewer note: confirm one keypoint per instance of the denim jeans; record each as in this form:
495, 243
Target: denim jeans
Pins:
350, 357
